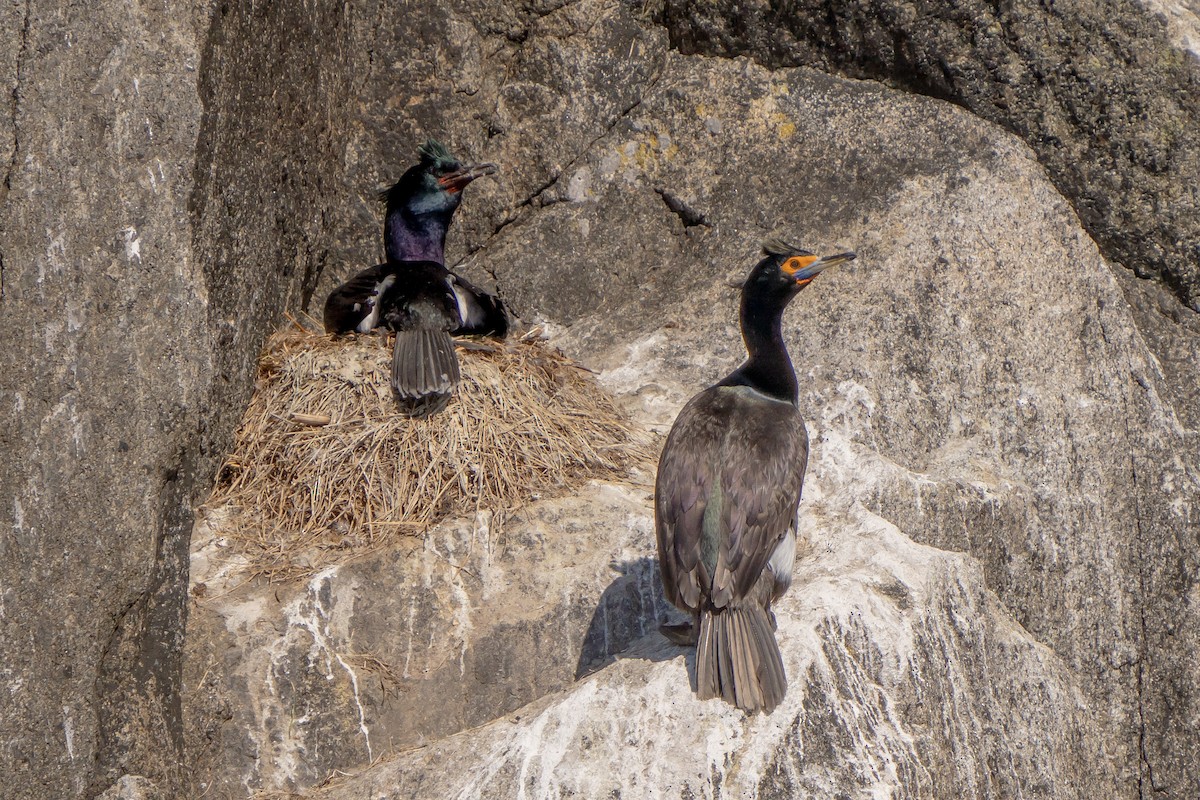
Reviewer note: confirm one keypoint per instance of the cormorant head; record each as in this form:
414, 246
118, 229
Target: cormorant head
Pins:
434, 186
786, 269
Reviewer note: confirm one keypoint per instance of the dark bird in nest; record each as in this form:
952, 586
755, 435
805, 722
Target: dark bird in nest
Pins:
412, 292
728, 487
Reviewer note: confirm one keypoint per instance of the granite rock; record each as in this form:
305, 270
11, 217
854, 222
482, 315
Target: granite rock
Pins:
104, 375
1106, 94
1001, 486
1002, 569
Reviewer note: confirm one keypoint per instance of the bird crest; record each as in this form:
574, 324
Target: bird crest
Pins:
434, 152
778, 247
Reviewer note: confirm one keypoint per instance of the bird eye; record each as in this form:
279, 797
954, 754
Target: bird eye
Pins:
792, 264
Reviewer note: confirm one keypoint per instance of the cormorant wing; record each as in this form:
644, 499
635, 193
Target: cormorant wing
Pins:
355, 300
763, 477
422, 296
682, 492
481, 311
729, 482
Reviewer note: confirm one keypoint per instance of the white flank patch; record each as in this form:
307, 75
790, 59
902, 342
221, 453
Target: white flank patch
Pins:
469, 310
371, 320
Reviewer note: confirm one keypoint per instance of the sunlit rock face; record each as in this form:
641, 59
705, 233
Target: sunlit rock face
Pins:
895, 653
105, 365
997, 469
1107, 94
997, 595
408, 644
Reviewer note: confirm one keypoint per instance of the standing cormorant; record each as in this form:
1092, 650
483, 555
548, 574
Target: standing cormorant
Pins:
412, 293
728, 486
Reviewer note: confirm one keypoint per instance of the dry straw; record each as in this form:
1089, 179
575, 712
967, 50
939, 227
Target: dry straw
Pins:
323, 465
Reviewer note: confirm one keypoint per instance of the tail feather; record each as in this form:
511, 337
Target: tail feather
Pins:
424, 371
707, 665
738, 659
745, 673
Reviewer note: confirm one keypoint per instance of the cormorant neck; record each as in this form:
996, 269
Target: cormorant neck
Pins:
768, 368
408, 237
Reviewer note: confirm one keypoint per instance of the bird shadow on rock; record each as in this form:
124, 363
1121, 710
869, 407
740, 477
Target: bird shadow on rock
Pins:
625, 622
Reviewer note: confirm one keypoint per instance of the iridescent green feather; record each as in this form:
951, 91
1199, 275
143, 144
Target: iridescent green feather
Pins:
434, 152
712, 528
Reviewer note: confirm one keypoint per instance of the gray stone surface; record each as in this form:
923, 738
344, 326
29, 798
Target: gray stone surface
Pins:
132, 787
983, 386
1103, 92
103, 375
404, 646
527, 86
978, 388
908, 680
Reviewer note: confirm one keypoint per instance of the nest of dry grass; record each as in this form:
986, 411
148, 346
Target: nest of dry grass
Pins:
323, 461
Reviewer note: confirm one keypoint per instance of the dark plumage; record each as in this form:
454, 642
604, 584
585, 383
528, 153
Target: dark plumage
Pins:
729, 483
416, 300
419, 208
422, 310
413, 293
